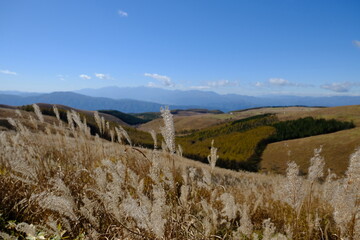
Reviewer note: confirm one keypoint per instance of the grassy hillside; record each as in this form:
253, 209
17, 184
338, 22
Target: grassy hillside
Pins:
241, 142
187, 124
67, 184
337, 147
235, 148
343, 113
279, 111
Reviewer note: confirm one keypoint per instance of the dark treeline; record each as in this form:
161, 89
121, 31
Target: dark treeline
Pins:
127, 118
306, 127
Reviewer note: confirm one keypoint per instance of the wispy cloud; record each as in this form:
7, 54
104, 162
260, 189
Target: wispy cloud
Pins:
84, 76
222, 83
61, 77
8, 72
215, 84
102, 76
280, 82
151, 84
340, 87
122, 13
164, 80
356, 43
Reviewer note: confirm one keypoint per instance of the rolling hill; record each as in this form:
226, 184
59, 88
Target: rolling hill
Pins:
337, 147
192, 125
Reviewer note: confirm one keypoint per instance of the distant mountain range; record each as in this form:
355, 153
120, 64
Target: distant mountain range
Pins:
145, 99
212, 100
80, 101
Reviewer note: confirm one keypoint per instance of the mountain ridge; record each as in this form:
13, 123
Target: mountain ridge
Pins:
146, 99
80, 101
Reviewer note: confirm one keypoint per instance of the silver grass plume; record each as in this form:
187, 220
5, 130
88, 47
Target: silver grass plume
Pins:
153, 135
56, 111
269, 229
103, 125
168, 131
125, 134
112, 135
230, 208
120, 132
70, 120
17, 111
33, 122
107, 126
28, 229
59, 200
7, 236
246, 226
213, 157
157, 216
316, 165
180, 150
346, 200
38, 113
353, 172
293, 188
98, 121
76, 118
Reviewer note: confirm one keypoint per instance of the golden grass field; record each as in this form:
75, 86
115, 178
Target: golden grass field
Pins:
201, 121
182, 123
337, 147
57, 181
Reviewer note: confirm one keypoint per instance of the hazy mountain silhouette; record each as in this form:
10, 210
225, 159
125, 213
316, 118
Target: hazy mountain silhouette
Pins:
80, 101
145, 99
212, 100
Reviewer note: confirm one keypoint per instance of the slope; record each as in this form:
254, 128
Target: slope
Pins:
336, 147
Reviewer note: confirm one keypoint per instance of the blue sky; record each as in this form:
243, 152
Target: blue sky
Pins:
251, 47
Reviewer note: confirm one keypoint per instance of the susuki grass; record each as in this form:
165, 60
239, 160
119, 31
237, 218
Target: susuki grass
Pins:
57, 181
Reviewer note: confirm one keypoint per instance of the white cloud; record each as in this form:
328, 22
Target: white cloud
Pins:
215, 84
356, 43
8, 72
151, 84
84, 76
102, 76
122, 13
61, 77
165, 80
279, 82
222, 83
340, 87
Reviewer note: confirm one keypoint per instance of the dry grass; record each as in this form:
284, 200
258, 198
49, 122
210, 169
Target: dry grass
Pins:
337, 147
281, 112
182, 123
96, 189
201, 121
343, 113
